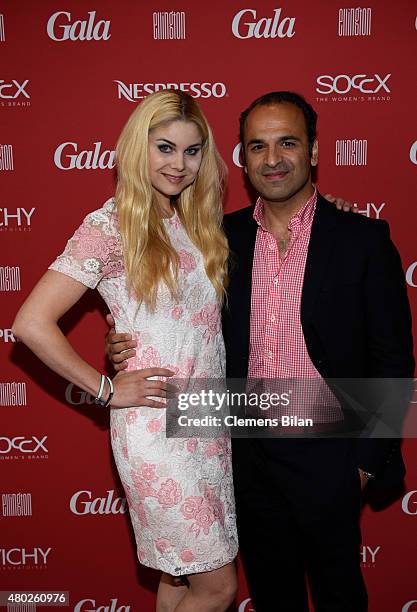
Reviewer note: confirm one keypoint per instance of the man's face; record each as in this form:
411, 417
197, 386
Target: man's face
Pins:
278, 162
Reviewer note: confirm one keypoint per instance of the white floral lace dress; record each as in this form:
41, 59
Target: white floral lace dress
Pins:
180, 491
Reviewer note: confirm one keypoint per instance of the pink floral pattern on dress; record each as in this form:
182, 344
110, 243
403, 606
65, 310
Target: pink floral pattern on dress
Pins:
209, 318
150, 358
169, 494
154, 426
187, 261
176, 313
187, 556
181, 524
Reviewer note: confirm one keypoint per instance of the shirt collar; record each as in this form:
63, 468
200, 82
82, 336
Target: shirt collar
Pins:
302, 218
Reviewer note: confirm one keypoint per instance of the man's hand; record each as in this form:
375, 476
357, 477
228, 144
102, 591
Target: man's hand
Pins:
116, 343
342, 204
134, 388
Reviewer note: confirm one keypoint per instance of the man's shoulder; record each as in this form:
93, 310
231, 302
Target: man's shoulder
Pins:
350, 221
240, 221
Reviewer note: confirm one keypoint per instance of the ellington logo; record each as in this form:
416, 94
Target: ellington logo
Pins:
89, 605
60, 28
168, 26
82, 503
244, 27
13, 394
354, 21
409, 503
16, 504
67, 157
351, 152
9, 278
6, 157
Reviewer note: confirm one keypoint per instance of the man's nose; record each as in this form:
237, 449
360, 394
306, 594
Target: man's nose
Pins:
273, 156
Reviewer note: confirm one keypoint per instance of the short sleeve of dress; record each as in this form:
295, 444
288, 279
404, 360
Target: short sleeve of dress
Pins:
95, 250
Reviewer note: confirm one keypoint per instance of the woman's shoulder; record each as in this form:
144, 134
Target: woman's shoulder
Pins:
104, 218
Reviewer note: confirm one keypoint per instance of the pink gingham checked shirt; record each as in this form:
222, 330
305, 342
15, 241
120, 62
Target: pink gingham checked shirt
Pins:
277, 345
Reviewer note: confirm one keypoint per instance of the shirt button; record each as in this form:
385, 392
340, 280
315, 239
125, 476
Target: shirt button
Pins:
273, 319
271, 246
276, 280
268, 354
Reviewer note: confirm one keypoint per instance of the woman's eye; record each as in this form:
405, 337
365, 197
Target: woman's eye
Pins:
164, 148
192, 151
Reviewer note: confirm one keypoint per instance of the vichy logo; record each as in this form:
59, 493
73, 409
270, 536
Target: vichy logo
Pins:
22, 444
9, 278
24, 556
16, 504
82, 503
6, 335
246, 606
13, 394
409, 606
168, 26
67, 157
137, 91
354, 22
409, 276
6, 157
371, 210
343, 83
413, 153
368, 554
21, 217
11, 91
89, 605
409, 503
60, 28
246, 25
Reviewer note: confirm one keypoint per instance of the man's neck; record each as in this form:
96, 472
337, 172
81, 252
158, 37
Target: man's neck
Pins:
277, 215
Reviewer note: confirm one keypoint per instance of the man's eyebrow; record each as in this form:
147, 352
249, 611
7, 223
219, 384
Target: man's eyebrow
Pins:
280, 139
255, 141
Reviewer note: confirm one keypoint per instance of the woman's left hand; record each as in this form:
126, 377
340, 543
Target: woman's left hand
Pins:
342, 204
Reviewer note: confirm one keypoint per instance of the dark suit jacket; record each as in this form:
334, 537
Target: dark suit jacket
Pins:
355, 313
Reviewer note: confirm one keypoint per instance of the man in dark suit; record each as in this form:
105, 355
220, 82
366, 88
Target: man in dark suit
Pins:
314, 293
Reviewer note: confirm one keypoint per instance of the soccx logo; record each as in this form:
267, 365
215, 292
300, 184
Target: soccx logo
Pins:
60, 27
410, 606
343, 83
68, 157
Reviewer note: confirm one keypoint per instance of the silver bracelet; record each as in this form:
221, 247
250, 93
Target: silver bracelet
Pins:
97, 399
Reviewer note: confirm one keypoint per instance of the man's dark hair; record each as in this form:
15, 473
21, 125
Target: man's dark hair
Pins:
281, 97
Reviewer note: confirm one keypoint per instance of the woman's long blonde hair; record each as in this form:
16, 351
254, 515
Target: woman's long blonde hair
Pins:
149, 256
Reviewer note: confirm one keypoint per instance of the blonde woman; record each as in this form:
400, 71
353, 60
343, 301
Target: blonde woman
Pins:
157, 255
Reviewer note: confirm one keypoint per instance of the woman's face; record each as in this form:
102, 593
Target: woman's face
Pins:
174, 157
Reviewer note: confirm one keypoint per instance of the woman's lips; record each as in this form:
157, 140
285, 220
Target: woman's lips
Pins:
173, 179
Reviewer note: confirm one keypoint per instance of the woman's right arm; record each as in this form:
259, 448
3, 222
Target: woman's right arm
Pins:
36, 325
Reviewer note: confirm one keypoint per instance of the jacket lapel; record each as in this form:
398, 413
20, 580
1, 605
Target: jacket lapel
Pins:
318, 257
